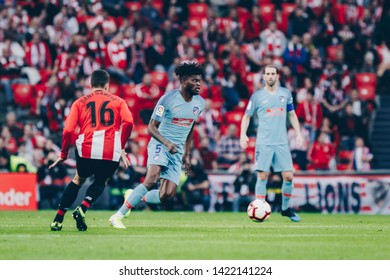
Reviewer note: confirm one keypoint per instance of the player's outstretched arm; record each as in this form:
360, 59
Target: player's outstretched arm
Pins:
244, 127
57, 162
153, 131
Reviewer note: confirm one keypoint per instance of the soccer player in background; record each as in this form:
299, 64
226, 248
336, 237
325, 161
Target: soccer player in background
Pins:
171, 127
272, 103
105, 123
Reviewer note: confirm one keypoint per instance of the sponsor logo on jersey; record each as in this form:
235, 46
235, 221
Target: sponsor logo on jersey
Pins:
282, 99
272, 112
195, 110
160, 110
265, 101
182, 121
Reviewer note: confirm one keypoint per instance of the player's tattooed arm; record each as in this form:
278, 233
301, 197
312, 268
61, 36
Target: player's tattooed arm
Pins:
153, 131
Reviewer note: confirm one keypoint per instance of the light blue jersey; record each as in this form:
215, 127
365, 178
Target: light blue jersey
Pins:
177, 117
272, 111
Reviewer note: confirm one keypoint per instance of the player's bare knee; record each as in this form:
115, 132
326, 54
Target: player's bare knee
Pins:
263, 175
288, 176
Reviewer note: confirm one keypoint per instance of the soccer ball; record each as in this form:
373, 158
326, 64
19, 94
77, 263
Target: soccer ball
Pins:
258, 210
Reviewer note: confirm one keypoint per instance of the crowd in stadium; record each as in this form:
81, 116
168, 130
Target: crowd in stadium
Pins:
332, 56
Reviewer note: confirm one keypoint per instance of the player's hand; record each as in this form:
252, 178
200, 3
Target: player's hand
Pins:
244, 142
125, 159
172, 148
299, 140
187, 163
57, 162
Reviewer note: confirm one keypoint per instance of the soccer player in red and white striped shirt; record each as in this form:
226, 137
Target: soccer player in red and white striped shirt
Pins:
105, 123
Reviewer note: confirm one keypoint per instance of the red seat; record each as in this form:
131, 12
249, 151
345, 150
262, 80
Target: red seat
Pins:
267, 12
367, 92
365, 79
288, 8
195, 23
332, 51
22, 94
158, 4
133, 6
197, 9
39, 90
242, 105
128, 90
160, 78
233, 117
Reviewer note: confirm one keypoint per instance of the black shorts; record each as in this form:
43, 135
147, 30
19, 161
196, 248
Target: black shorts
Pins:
101, 169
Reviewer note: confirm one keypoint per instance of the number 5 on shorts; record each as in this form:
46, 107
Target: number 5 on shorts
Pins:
158, 148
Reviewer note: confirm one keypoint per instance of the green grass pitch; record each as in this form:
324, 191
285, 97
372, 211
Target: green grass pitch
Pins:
195, 236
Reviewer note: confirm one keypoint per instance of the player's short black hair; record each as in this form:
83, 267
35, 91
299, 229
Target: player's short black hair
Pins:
188, 69
271, 66
99, 78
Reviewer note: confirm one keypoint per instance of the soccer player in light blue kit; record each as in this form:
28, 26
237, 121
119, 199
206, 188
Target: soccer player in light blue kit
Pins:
272, 104
171, 127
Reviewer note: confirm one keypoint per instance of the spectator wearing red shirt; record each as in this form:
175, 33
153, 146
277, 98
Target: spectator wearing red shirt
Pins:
321, 153
9, 142
311, 111
38, 53
97, 46
273, 40
208, 157
350, 125
157, 55
66, 64
148, 93
116, 59
209, 123
253, 25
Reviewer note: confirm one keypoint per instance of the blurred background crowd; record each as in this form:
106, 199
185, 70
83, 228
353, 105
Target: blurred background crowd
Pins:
333, 56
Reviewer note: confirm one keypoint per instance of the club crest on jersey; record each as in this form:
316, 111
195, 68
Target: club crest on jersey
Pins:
160, 110
196, 110
282, 99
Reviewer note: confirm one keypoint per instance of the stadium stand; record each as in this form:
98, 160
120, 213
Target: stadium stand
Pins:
82, 37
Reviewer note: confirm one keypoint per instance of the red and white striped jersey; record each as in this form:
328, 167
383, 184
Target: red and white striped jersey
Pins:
105, 123
66, 66
38, 55
116, 55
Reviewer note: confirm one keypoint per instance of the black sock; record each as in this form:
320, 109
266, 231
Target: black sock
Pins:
68, 197
93, 193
